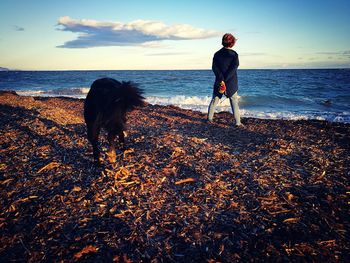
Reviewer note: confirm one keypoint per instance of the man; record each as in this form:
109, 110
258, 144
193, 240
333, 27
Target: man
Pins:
225, 64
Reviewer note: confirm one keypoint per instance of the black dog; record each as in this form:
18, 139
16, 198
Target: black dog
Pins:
105, 106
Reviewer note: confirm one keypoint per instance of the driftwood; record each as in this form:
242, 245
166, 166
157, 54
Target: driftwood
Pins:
184, 190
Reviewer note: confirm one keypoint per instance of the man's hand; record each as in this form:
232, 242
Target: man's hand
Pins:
222, 88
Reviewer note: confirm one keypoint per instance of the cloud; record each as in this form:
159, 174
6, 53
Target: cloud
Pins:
92, 33
153, 44
339, 53
328, 53
254, 54
168, 54
18, 28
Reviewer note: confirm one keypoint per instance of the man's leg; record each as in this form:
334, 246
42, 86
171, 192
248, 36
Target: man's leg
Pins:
235, 108
212, 107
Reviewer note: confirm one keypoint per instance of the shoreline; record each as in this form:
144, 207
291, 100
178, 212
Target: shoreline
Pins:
198, 106
184, 190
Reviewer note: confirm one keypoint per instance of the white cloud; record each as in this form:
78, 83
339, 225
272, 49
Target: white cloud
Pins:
153, 44
253, 54
18, 28
92, 33
345, 54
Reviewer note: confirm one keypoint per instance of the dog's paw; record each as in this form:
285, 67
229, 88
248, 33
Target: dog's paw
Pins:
112, 156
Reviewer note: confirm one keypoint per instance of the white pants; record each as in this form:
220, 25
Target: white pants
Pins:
234, 107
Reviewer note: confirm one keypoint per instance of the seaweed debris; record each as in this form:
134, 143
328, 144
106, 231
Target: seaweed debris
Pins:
183, 191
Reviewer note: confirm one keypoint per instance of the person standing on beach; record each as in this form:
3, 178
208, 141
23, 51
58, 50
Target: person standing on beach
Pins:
225, 64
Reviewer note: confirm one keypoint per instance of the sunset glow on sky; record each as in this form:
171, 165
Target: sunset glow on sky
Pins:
84, 34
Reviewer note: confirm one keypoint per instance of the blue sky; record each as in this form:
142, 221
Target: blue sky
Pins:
182, 34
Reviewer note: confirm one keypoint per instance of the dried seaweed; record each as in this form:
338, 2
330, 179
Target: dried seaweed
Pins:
183, 191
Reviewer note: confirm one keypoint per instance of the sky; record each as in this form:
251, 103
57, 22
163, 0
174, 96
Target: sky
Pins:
178, 34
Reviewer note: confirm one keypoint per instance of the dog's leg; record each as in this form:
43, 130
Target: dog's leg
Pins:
111, 151
93, 133
122, 140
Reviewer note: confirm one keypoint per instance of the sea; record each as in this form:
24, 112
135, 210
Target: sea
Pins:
291, 94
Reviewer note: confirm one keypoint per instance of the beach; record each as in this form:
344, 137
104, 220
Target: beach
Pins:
307, 94
183, 191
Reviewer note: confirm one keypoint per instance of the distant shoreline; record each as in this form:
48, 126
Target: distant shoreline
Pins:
186, 103
55, 70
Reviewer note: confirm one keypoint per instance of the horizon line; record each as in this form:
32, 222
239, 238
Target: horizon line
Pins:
2, 69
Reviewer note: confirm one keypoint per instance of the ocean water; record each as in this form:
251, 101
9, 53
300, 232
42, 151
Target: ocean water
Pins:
322, 94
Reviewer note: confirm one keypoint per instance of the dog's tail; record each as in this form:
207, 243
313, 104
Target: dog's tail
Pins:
131, 95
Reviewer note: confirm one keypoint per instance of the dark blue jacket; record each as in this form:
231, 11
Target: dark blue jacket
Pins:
225, 64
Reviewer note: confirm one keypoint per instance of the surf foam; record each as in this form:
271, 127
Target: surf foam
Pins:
201, 104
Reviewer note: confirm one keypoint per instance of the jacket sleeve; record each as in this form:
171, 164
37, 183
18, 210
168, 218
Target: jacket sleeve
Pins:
218, 74
232, 68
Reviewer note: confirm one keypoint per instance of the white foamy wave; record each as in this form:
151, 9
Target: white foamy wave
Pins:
79, 92
29, 92
179, 100
189, 102
85, 90
343, 117
201, 104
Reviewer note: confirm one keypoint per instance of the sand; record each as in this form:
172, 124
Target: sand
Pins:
183, 191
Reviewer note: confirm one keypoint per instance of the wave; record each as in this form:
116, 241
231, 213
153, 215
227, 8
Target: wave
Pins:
79, 92
342, 117
244, 101
201, 104
263, 107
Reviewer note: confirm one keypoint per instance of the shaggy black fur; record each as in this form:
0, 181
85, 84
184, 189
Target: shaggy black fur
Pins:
106, 106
